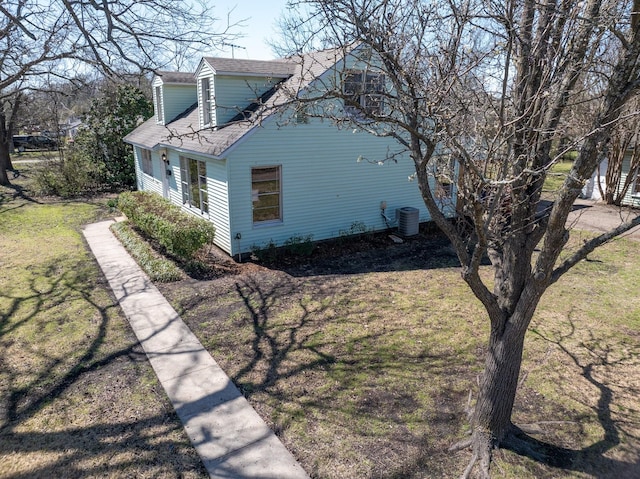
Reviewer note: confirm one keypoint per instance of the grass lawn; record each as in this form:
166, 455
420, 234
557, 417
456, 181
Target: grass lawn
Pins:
556, 176
363, 365
28, 155
77, 395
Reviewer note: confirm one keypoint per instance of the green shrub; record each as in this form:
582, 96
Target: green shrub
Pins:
356, 228
157, 268
179, 233
299, 245
267, 253
72, 176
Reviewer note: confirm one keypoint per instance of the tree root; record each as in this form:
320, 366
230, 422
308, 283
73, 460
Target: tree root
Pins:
460, 445
467, 471
482, 449
481, 457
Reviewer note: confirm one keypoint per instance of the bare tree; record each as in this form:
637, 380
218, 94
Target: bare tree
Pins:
624, 146
60, 38
486, 84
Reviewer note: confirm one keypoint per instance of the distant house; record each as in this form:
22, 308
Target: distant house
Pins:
226, 145
597, 183
69, 130
632, 195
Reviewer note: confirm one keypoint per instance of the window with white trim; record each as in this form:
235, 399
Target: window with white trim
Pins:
146, 163
636, 184
266, 194
444, 173
193, 179
158, 105
363, 93
205, 86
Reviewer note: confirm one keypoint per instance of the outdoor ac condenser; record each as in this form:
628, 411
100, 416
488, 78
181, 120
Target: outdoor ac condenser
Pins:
408, 221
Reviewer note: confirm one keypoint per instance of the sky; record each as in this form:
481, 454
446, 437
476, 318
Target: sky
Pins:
259, 25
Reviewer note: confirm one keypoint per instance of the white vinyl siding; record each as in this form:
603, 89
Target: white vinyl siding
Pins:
217, 186
145, 181
632, 197
325, 190
234, 94
177, 98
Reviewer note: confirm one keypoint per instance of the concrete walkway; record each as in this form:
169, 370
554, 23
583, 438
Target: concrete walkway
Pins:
232, 440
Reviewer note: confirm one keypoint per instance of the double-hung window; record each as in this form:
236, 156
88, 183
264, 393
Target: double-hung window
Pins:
266, 195
145, 162
444, 173
193, 179
159, 112
363, 93
205, 86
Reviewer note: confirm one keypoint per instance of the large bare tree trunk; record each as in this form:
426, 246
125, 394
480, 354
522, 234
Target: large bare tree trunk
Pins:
491, 417
4, 178
498, 384
5, 156
7, 118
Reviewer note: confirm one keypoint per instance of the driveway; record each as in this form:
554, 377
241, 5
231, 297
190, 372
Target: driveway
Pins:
595, 216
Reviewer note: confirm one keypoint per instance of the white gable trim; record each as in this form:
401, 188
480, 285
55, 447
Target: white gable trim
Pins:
187, 151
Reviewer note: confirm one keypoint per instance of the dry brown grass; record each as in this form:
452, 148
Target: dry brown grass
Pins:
363, 363
77, 395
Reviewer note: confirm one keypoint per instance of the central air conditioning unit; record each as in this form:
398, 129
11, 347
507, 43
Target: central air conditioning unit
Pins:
408, 221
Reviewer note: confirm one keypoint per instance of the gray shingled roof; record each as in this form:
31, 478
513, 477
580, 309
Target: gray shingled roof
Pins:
183, 132
177, 77
271, 68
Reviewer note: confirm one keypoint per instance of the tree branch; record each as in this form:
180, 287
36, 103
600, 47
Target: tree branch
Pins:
590, 246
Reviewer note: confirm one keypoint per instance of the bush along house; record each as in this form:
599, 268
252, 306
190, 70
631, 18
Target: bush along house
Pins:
226, 143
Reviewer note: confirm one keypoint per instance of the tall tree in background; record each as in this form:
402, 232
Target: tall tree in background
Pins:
9, 106
40, 40
113, 115
486, 83
624, 150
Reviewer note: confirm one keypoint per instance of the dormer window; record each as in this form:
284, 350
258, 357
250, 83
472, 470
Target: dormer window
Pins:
206, 101
158, 105
363, 93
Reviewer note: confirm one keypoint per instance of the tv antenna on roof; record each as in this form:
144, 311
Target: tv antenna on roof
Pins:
233, 46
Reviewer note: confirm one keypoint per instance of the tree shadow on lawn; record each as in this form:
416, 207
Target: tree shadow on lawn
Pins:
268, 369
593, 358
7, 196
38, 431
287, 360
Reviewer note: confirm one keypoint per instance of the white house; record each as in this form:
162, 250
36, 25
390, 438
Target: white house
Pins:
632, 195
597, 183
226, 144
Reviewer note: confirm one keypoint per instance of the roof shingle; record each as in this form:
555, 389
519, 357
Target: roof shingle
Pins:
271, 68
177, 77
183, 133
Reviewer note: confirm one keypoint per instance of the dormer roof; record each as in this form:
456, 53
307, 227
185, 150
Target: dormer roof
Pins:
182, 78
237, 67
183, 132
